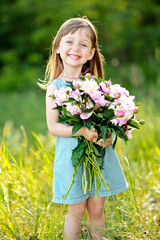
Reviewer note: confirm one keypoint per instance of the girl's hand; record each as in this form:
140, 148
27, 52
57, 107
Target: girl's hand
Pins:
108, 142
90, 135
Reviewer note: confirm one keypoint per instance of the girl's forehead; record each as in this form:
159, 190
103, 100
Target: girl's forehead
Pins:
80, 33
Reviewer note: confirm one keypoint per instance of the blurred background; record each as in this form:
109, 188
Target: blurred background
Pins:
129, 38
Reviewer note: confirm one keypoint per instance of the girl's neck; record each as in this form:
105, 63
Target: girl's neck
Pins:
66, 76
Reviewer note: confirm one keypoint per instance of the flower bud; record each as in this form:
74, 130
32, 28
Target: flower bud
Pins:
88, 75
117, 95
97, 105
108, 83
136, 110
76, 85
142, 122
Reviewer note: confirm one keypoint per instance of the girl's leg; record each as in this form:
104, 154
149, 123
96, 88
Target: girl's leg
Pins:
96, 218
72, 226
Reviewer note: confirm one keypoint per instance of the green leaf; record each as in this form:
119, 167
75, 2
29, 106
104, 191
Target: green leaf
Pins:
69, 84
108, 113
114, 137
104, 131
88, 110
69, 100
100, 115
58, 107
96, 150
76, 127
65, 112
88, 123
120, 132
78, 152
63, 119
75, 118
132, 123
82, 78
100, 79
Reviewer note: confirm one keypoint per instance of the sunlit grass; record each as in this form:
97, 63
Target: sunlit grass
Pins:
26, 211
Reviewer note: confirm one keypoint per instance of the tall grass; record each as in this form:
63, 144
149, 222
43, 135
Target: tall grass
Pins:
26, 211
25, 108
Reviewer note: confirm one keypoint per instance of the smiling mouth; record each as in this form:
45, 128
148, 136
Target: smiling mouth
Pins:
73, 56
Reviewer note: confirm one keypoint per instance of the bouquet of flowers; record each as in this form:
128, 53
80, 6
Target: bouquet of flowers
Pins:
94, 103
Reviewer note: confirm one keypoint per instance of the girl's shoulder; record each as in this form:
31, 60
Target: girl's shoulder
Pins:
58, 83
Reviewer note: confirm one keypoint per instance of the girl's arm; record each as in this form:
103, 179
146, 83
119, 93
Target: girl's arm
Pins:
60, 129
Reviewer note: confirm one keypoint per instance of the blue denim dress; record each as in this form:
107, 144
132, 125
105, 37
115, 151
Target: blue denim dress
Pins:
63, 170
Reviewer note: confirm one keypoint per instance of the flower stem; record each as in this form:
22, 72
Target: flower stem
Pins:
84, 176
72, 181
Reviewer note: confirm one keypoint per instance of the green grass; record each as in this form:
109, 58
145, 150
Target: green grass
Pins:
27, 159
26, 211
26, 109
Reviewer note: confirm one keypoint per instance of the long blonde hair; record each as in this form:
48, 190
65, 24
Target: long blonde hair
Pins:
55, 66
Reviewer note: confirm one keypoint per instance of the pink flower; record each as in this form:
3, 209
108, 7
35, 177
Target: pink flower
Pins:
119, 121
97, 105
89, 105
99, 98
77, 83
136, 110
76, 95
88, 75
104, 88
62, 95
73, 109
108, 82
117, 95
86, 115
117, 89
120, 113
128, 133
123, 107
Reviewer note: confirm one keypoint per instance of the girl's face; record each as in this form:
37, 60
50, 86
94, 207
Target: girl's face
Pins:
75, 49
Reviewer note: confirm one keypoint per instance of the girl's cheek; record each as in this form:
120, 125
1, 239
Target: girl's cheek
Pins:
66, 48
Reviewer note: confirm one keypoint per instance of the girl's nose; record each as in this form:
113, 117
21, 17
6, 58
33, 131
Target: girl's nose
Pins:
75, 48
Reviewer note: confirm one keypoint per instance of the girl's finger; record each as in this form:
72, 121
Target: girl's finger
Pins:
93, 130
109, 135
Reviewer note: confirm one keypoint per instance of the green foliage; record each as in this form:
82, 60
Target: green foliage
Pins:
78, 153
128, 31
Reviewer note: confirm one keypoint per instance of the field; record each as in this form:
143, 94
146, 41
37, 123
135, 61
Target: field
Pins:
27, 160
26, 165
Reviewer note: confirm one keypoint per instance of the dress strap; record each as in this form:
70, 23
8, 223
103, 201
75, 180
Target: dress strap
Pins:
58, 83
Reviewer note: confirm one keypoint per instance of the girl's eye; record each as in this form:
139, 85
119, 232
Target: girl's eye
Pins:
83, 45
69, 42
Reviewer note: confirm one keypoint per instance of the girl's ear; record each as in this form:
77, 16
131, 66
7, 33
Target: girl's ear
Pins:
92, 53
58, 51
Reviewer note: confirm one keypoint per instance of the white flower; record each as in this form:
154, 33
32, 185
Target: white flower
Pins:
62, 94
117, 89
73, 108
89, 86
124, 104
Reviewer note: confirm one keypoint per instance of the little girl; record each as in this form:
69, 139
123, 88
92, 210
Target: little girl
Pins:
75, 52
